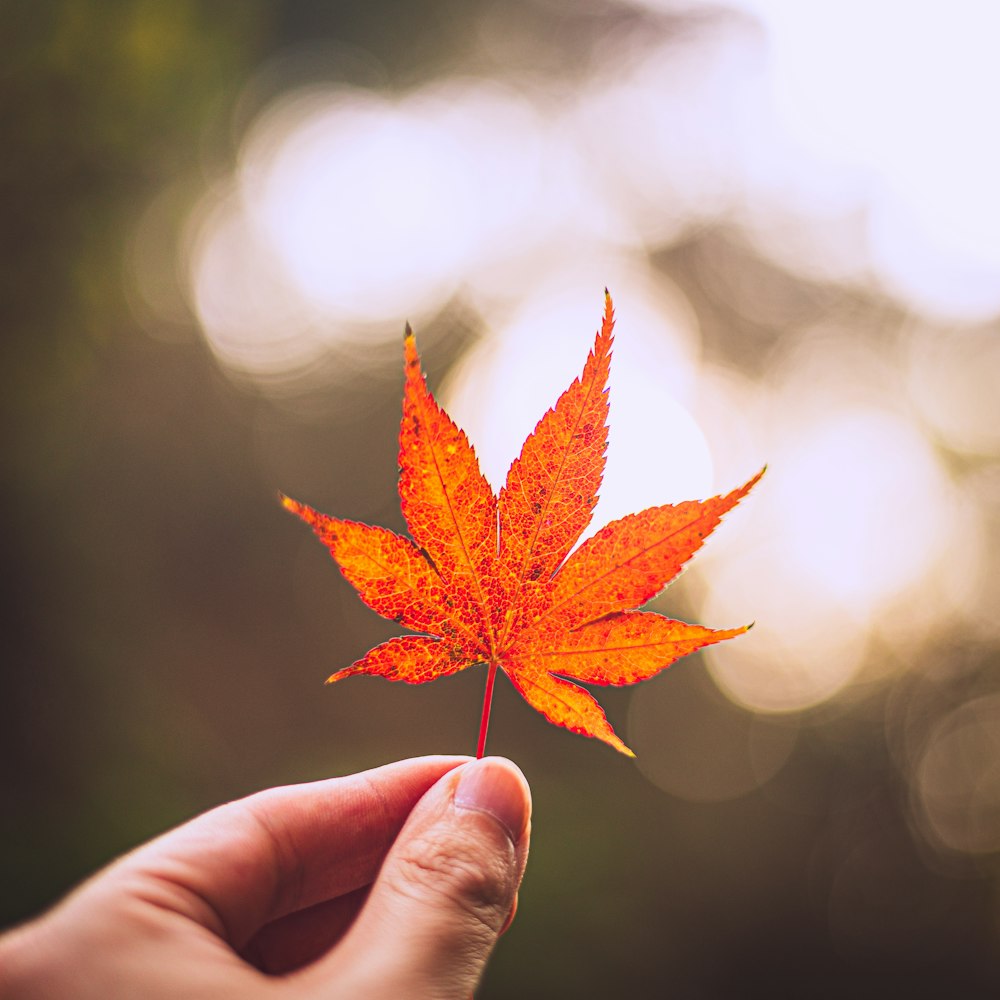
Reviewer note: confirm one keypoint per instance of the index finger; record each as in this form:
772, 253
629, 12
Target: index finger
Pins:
257, 859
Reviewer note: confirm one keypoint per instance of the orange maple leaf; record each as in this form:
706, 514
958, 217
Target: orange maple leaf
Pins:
486, 579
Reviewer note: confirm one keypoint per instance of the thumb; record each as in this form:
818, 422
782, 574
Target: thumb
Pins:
445, 891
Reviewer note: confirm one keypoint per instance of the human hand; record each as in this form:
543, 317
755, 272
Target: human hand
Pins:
394, 883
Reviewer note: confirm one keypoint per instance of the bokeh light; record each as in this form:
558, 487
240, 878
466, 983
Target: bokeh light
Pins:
352, 208
839, 494
657, 453
693, 743
851, 533
378, 207
252, 319
519, 197
911, 149
804, 647
953, 376
957, 779
661, 122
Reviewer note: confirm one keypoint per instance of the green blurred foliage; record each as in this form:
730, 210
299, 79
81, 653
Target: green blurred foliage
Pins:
101, 104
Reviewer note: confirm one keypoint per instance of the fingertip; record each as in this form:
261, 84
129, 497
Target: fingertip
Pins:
447, 886
496, 787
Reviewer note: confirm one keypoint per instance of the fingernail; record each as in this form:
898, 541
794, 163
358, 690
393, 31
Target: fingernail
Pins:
496, 786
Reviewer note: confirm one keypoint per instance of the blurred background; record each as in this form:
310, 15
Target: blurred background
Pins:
216, 218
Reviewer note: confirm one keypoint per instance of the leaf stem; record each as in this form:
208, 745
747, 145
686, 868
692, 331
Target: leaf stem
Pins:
484, 722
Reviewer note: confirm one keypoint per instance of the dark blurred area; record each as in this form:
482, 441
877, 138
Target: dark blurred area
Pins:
167, 627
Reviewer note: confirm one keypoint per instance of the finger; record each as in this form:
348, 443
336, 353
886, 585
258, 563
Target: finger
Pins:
299, 938
255, 860
443, 894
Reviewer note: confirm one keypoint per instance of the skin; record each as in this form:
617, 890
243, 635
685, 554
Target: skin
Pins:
396, 882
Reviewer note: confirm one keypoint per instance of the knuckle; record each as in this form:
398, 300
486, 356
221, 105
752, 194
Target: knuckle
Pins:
452, 872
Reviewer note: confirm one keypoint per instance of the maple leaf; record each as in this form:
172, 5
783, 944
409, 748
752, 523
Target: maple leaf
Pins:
486, 580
